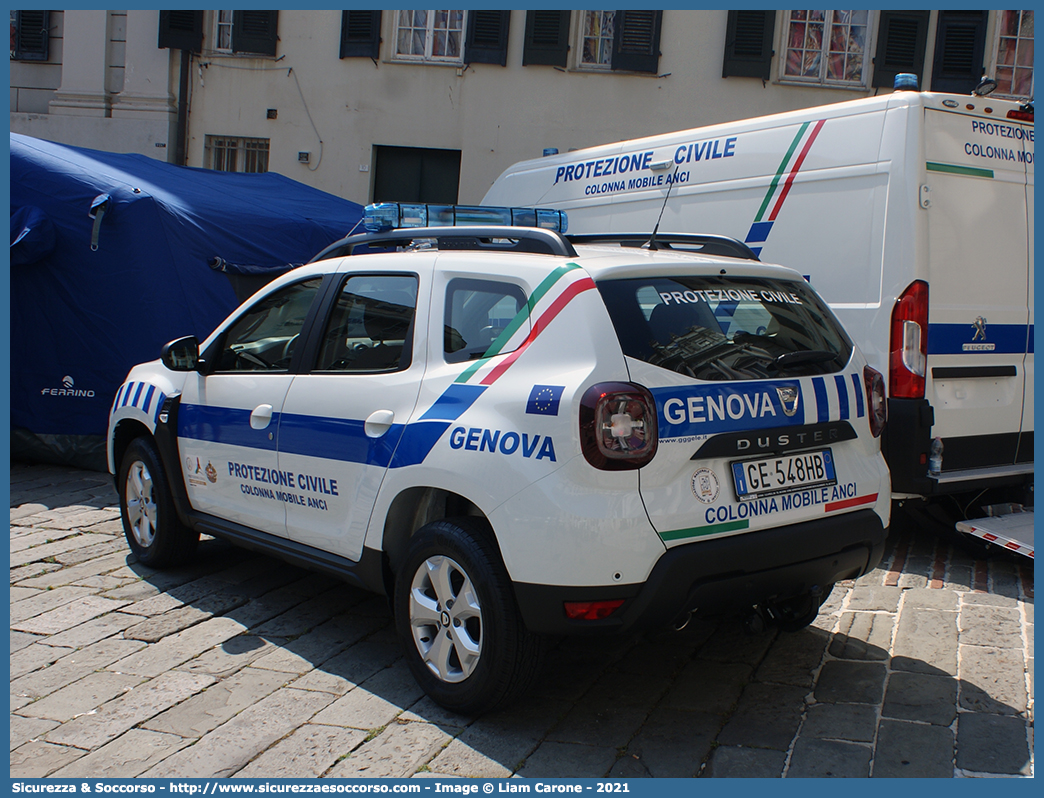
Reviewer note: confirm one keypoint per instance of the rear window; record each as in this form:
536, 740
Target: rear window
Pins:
726, 328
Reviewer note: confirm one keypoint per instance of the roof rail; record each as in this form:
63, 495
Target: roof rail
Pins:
707, 244
500, 239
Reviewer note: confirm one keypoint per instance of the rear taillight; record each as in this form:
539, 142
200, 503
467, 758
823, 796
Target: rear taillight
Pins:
591, 610
875, 400
618, 426
1022, 115
909, 343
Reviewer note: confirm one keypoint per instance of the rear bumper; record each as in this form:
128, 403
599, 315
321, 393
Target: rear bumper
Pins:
970, 462
740, 570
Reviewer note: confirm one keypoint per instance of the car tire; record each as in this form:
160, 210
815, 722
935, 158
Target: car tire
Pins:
150, 521
456, 616
800, 611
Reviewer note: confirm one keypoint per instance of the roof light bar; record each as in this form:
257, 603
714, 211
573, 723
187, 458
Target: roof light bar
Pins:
383, 216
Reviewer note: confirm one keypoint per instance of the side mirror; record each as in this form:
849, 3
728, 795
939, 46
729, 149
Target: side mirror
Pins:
181, 354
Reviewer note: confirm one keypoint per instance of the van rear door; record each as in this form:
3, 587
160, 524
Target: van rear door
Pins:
980, 286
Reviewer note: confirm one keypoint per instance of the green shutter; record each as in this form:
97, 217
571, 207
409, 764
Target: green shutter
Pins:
901, 40
547, 38
255, 32
748, 44
30, 35
181, 30
636, 41
487, 37
360, 34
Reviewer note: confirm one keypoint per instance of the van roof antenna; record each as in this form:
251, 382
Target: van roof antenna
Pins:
652, 239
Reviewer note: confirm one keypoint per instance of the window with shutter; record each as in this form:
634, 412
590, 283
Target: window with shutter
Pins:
255, 32
181, 30
748, 44
960, 44
901, 40
636, 41
547, 38
360, 34
487, 38
620, 40
30, 35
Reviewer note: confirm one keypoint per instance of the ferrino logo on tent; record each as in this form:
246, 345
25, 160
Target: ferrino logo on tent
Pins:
68, 389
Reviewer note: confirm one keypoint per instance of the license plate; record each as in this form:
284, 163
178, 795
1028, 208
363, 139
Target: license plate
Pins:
772, 476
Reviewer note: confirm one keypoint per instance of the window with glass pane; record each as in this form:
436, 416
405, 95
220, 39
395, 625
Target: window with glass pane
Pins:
826, 47
427, 35
264, 337
596, 47
480, 313
369, 328
236, 154
223, 31
1014, 72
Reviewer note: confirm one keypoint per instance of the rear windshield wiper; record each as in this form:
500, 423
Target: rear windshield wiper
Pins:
805, 356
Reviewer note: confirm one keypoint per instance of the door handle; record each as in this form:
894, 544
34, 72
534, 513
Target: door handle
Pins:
261, 417
378, 423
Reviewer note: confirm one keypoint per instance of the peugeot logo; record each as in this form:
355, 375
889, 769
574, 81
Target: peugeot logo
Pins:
788, 397
980, 329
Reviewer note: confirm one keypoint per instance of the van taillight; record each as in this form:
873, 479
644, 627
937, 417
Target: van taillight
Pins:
909, 343
875, 400
618, 426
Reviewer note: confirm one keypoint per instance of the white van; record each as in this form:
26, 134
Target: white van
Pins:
910, 213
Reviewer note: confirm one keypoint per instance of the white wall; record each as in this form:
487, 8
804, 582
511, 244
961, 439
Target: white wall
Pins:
105, 85
494, 115
108, 86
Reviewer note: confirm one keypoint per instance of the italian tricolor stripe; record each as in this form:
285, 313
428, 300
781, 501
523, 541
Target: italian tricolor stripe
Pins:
844, 504
737, 525
781, 183
553, 282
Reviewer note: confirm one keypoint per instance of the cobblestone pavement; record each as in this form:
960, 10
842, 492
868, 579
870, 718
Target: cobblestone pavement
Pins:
240, 665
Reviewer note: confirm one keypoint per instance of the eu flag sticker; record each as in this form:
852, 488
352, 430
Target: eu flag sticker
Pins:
543, 400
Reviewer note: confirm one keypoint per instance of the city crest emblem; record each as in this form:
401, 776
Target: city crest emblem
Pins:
789, 397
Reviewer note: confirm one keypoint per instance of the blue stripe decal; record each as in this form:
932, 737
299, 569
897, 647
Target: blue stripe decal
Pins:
1001, 339
137, 394
116, 401
710, 408
417, 441
822, 404
842, 395
159, 406
224, 425
860, 410
336, 439
126, 396
313, 436
454, 402
759, 232
148, 399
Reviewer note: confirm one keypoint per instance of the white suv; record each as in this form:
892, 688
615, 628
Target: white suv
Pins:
513, 433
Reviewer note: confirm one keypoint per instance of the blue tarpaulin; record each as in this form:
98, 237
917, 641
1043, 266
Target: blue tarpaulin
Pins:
81, 317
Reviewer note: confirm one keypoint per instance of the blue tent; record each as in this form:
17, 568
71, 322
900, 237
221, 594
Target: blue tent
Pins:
113, 255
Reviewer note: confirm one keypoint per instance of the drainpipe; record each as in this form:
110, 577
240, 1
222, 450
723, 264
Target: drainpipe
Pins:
181, 143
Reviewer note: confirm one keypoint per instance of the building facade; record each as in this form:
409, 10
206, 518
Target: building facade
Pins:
432, 105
